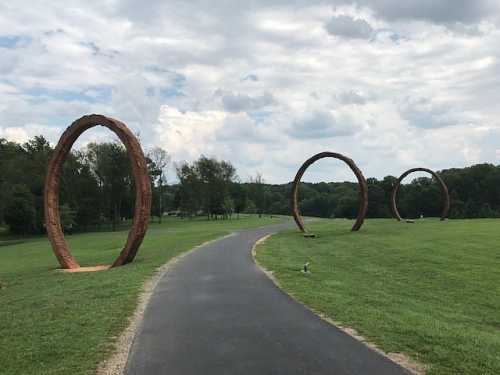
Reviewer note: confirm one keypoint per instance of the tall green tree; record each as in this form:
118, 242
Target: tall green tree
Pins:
205, 186
20, 211
240, 197
158, 162
111, 165
257, 193
189, 195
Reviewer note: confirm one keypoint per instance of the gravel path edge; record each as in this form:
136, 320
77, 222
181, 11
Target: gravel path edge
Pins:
401, 359
115, 364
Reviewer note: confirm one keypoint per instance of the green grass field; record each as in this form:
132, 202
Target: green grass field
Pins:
429, 289
60, 323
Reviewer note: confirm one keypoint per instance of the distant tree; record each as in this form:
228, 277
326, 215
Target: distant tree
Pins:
111, 165
251, 208
97, 188
239, 197
228, 207
68, 216
257, 193
80, 191
37, 152
189, 194
347, 206
205, 185
159, 162
10, 163
457, 206
379, 201
20, 212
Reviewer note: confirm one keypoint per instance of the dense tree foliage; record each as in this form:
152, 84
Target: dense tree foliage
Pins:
97, 187
205, 187
97, 190
22, 175
474, 192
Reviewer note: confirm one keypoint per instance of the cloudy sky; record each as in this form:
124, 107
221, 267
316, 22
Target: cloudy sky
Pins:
264, 84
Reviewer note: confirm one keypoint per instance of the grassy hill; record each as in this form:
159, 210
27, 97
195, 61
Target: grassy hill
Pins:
60, 323
429, 289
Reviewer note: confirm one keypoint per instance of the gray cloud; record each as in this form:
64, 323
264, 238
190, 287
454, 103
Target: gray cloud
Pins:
251, 77
351, 97
349, 27
437, 11
235, 102
423, 113
241, 128
320, 124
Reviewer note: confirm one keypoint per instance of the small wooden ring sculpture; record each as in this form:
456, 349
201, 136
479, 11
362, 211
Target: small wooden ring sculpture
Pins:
444, 189
142, 187
363, 188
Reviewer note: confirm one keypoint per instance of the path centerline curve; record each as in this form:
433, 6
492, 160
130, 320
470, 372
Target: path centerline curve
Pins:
216, 312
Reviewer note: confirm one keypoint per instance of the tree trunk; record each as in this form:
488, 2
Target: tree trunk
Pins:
161, 200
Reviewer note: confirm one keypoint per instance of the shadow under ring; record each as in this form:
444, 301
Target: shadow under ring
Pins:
52, 185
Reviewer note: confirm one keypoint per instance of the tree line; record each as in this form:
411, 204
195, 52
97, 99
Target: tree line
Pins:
97, 190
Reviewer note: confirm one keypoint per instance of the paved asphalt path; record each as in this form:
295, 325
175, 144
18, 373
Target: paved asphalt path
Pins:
215, 312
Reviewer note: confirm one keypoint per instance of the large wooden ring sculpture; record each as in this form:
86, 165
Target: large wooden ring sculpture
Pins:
363, 188
142, 188
444, 189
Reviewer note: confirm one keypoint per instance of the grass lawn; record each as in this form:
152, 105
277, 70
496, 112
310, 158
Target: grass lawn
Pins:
429, 289
59, 323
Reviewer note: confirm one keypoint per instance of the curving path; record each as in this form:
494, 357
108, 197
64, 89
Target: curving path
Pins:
215, 312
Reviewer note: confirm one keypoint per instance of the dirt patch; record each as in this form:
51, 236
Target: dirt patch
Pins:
400, 358
102, 267
115, 364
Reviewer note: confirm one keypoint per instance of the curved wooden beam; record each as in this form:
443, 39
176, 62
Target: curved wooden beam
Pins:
444, 190
142, 188
363, 188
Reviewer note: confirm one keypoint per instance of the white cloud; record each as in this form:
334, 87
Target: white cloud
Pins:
23, 134
405, 83
188, 134
352, 97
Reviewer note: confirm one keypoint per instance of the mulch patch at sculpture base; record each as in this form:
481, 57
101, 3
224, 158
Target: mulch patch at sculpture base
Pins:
101, 267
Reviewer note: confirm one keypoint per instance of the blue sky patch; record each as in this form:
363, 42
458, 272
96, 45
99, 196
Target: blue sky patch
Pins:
172, 91
12, 41
97, 94
259, 116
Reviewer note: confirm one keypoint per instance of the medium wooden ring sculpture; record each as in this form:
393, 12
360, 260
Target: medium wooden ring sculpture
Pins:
142, 187
444, 189
363, 188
